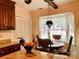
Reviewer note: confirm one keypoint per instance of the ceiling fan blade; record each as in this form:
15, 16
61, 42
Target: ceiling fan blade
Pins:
51, 3
46, 1
27, 1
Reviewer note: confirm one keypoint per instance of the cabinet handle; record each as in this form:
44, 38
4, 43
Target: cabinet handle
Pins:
15, 48
2, 51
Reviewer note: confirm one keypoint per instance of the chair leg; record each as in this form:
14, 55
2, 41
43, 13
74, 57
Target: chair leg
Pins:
28, 49
64, 53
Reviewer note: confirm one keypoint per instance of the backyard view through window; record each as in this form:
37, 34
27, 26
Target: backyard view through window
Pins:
63, 25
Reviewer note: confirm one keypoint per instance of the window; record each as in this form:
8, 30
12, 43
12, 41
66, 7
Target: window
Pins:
62, 25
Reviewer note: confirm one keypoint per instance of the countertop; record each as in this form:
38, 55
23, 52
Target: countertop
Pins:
5, 45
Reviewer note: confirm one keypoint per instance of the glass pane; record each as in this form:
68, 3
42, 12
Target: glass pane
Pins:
71, 26
59, 27
63, 24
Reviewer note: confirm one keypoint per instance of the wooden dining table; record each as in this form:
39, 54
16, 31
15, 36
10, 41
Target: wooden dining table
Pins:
56, 45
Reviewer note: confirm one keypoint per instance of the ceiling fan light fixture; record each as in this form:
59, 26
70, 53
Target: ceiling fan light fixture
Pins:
49, 23
27, 1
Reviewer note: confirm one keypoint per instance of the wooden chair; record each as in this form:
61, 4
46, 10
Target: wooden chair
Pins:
43, 44
66, 51
27, 48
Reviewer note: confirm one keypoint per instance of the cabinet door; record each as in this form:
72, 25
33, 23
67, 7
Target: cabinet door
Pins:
14, 48
7, 15
9, 49
1, 16
11, 20
4, 51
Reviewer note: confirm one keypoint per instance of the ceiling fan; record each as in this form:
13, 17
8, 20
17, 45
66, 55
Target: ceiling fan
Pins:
50, 2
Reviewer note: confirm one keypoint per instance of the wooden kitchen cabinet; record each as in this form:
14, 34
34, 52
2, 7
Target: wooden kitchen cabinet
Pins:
4, 51
7, 15
9, 49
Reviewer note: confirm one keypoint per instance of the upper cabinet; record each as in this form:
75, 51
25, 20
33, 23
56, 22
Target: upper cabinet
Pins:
7, 15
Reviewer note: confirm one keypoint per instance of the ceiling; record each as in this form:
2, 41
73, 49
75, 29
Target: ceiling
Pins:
35, 4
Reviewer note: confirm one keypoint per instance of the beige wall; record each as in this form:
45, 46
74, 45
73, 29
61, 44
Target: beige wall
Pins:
11, 34
22, 15
71, 7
